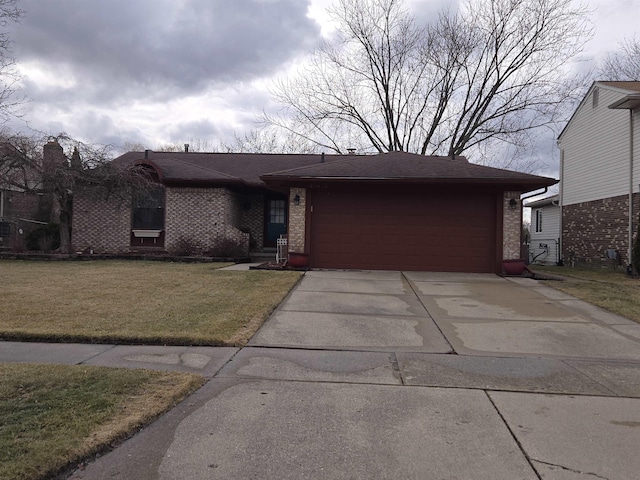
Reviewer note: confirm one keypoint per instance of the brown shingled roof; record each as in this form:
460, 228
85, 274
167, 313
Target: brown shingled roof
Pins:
276, 170
408, 167
196, 167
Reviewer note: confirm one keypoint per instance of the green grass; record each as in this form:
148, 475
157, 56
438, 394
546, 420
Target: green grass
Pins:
610, 289
55, 416
136, 302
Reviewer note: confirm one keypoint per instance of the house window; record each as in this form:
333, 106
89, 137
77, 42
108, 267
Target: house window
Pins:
538, 221
277, 211
5, 229
148, 210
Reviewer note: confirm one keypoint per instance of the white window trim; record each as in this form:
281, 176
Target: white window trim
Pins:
538, 220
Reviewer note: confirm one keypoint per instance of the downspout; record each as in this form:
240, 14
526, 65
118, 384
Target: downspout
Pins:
630, 250
561, 205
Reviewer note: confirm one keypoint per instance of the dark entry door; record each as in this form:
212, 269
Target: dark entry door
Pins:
275, 221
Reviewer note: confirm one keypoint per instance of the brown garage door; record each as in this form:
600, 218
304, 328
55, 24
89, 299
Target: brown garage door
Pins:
403, 230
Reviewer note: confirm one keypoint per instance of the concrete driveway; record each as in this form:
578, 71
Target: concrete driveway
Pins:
409, 375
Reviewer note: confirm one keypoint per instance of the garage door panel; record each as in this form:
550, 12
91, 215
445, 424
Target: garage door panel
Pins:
403, 230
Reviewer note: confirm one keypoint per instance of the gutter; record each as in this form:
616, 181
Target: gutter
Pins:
516, 184
535, 194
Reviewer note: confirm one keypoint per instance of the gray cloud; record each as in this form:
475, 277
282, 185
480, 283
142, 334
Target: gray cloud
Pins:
122, 49
203, 130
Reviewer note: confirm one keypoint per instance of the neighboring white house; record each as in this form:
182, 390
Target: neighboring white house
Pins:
600, 173
544, 247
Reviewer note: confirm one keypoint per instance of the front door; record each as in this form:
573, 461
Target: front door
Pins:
275, 220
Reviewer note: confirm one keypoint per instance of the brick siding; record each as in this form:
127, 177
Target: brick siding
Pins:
205, 216
590, 228
252, 219
511, 226
297, 219
100, 225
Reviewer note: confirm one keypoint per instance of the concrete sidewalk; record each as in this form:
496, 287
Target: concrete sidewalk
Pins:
395, 375
205, 361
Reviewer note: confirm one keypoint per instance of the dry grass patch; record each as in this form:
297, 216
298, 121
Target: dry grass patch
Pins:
54, 416
136, 302
612, 290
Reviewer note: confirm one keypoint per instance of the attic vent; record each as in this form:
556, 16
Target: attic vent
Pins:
351, 151
596, 97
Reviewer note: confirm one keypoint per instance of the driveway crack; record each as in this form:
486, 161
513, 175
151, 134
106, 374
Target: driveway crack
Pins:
569, 469
393, 359
413, 289
513, 436
88, 359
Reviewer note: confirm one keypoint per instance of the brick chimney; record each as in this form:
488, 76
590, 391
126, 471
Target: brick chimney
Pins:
52, 156
76, 162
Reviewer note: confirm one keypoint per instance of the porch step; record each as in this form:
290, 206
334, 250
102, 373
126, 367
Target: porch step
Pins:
263, 256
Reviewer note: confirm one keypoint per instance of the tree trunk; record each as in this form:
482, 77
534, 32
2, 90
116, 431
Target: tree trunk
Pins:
66, 205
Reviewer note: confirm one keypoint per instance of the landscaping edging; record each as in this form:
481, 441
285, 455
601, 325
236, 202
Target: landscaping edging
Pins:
76, 256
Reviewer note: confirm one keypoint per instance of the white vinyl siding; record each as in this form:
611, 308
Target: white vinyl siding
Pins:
596, 150
549, 235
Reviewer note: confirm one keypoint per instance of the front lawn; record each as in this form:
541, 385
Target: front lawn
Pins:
136, 302
55, 416
610, 289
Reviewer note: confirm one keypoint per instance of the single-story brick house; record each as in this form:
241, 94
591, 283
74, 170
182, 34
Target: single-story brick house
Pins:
387, 211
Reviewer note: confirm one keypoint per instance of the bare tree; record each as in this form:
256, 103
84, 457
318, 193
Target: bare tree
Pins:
9, 13
264, 139
268, 140
490, 72
623, 65
192, 145
85, 168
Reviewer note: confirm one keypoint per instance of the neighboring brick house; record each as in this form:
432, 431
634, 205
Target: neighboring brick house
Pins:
386, 211
22, 206
599, 175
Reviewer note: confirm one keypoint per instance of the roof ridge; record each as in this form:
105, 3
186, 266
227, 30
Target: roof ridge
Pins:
378, 156
333, 162
204, 168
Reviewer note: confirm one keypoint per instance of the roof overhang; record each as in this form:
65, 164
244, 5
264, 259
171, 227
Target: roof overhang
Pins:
543, 202
281, 182
628, 102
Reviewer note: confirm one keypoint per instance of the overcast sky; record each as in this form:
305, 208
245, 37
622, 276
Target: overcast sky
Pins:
156, 72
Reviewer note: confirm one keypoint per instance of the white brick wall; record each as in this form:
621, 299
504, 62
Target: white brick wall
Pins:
100, 225
511, 226
297, 219
205, 216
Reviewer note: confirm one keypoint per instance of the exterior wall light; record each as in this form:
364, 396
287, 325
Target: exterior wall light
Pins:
296, 200
513, 203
